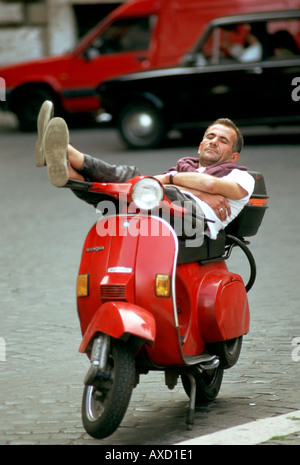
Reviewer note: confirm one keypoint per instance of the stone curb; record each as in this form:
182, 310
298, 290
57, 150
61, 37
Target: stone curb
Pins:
253, 433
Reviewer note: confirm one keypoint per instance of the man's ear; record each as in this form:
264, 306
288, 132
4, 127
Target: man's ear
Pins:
235, 157
199, 148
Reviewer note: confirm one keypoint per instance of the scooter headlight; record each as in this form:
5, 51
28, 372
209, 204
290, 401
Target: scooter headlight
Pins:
147, 193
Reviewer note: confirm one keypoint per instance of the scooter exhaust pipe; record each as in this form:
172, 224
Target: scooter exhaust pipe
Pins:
99, 356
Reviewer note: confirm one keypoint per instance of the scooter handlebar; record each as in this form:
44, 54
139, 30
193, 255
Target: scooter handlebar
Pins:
123, 189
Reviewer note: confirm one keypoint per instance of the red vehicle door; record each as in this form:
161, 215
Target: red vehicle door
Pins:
123, 47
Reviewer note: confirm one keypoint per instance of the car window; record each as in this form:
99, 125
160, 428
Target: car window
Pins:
284, 39
234, 43
124, 35
251, 42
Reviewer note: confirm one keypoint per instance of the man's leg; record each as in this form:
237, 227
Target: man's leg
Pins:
81, 166
64, 162
97, 170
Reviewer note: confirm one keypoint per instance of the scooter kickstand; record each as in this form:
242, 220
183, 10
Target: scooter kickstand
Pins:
191, 411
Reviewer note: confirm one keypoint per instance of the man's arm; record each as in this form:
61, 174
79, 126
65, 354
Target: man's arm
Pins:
206, 183
217, 202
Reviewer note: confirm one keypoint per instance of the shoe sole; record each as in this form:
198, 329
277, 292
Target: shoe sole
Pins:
56, 142
45, 115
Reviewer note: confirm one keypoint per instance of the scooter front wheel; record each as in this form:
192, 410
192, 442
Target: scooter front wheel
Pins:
105, 403
208, 384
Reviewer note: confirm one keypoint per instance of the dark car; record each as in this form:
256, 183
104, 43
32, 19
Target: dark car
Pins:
244, 67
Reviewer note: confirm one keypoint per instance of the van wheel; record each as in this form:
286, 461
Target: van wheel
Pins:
27, 104
141, 126
227, 351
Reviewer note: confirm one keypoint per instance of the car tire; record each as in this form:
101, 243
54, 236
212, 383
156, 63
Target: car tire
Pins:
28, 102
141, 126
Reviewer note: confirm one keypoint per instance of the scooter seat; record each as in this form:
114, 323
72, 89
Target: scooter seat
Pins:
210, 249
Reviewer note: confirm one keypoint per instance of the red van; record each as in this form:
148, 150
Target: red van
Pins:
138, 35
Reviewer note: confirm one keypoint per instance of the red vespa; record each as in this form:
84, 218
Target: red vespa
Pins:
147, 302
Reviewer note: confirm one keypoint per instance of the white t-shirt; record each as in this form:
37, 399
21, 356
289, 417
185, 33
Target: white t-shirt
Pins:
246, 181
245, 55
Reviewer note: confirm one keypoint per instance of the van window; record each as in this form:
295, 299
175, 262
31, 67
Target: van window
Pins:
124, 35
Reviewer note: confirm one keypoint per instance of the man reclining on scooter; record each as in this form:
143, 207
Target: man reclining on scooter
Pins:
219, 186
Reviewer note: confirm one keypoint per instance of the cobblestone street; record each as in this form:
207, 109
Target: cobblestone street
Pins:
41, 371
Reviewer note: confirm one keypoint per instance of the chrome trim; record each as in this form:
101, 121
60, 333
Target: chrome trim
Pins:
119, 269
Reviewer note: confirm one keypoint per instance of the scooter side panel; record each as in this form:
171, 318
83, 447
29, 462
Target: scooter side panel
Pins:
223, 307
212, 304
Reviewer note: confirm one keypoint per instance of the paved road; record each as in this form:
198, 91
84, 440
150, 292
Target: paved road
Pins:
41, 372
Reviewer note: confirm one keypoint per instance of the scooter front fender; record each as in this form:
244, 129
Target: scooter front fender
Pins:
120, 320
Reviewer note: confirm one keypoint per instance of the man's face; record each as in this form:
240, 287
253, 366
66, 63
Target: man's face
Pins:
217, 145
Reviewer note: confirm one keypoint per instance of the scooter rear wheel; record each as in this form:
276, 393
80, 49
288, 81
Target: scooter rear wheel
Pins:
105, 403
227, 351
208, 385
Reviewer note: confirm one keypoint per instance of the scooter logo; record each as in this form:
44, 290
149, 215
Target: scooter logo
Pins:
2, 90
2, 350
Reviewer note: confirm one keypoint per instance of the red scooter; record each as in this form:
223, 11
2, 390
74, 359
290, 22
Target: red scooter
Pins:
148, 302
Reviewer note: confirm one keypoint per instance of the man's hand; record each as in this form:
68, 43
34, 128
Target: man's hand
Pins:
217, 203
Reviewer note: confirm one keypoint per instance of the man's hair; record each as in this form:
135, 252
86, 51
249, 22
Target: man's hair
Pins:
239, 142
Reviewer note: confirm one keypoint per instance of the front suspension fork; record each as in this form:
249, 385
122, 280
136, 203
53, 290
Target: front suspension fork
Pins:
99, 357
